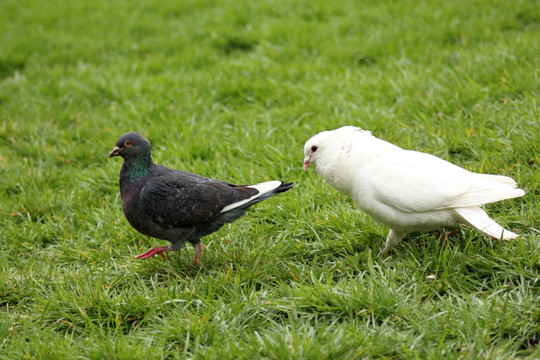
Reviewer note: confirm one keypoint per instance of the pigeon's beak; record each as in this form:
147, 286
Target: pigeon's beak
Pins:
307, 160
114, 151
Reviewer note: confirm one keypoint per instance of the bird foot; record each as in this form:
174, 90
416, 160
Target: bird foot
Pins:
383, 251
444, 236
154, 251
198, 250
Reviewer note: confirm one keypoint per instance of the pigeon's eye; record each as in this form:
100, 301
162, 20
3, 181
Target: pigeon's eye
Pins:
314, 148
127, 143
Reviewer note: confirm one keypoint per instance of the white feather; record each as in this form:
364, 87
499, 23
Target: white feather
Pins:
478, 219
262, 188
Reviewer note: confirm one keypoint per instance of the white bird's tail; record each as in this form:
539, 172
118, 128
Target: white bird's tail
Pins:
488, 189
475, 217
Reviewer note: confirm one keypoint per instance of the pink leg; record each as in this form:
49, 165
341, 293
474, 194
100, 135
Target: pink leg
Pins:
154, 251
198, 250
445, 236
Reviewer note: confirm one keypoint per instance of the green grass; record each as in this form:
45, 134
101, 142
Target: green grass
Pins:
232, 90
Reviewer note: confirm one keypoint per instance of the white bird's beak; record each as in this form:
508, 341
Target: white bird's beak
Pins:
307, 160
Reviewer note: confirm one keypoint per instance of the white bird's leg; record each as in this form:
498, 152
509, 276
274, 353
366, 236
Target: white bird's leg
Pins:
443, 236
392, 239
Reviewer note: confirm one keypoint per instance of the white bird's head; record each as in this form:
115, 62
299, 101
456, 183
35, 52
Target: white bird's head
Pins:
328, 144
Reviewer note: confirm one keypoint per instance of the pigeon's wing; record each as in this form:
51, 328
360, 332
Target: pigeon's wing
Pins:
417, 182
180, 198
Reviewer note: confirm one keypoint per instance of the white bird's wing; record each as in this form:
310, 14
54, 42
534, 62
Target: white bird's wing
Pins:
478, 219
413, 181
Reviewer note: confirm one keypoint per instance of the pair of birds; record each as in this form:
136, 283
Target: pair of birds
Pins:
405, 190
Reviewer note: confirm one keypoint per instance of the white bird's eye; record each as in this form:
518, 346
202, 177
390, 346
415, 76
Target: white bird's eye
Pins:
314, 148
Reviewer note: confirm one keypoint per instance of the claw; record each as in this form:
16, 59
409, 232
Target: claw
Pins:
153, 252
444, 236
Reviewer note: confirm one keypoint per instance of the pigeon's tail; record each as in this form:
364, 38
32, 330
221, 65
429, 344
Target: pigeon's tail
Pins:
264, 191
281, 188
491, 188
476, 217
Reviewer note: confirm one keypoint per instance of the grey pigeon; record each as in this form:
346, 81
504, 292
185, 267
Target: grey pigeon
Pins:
179, 206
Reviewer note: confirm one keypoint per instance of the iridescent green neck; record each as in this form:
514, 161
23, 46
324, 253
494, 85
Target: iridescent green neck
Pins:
138, 167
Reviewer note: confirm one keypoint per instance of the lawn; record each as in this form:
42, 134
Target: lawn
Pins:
232, 90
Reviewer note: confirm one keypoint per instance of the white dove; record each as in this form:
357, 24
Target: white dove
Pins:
403, 189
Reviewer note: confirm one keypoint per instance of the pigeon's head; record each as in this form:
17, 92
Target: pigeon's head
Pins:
130, 145
326, 146
323, 146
